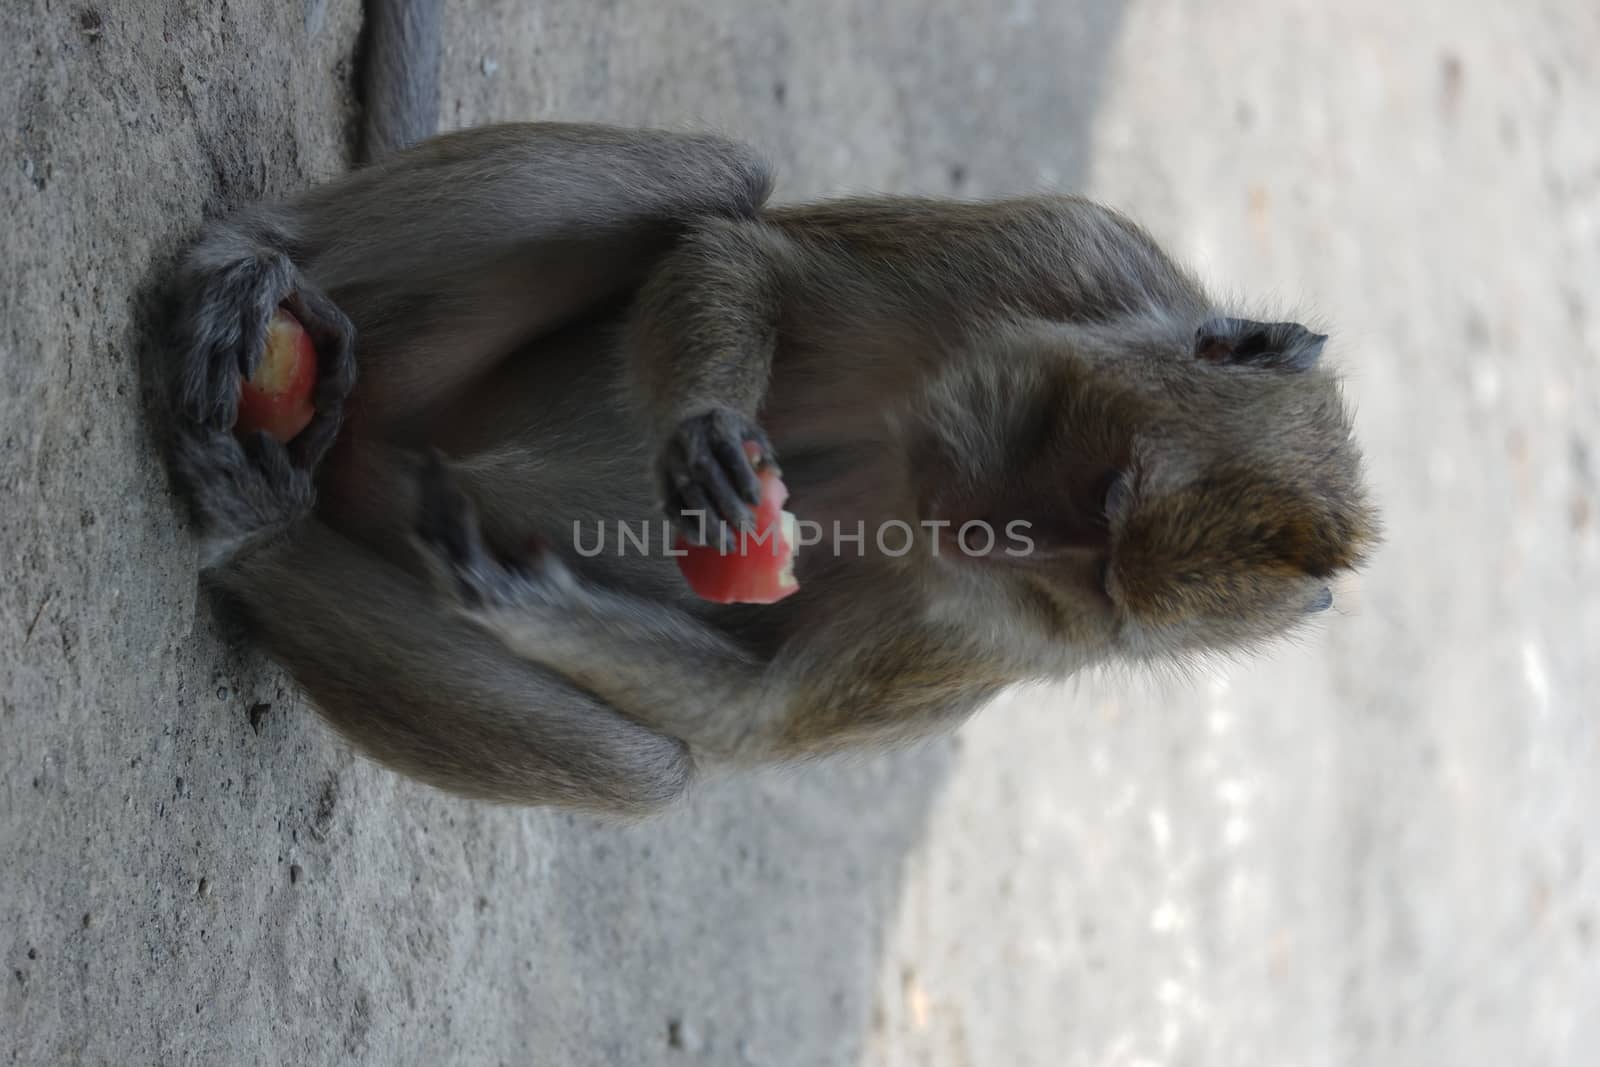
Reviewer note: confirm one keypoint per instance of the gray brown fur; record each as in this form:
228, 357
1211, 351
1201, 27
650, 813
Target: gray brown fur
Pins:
587, 322
401, 47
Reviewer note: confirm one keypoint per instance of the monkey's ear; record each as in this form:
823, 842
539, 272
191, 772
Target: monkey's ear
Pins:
1288, 345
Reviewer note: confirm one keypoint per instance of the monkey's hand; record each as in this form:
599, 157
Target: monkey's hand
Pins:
709, 484
465, 568
242, 491
230, 290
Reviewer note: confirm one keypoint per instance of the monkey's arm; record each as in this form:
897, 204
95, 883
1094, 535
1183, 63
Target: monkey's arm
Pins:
444, 257
857, 298
657, 663
706, 324
703, 333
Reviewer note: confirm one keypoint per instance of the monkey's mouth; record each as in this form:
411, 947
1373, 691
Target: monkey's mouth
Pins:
1022, 524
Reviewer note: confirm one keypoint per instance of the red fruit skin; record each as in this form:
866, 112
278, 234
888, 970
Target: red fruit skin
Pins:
276, 399
753, 573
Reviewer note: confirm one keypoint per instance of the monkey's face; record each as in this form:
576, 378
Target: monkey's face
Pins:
1174, 496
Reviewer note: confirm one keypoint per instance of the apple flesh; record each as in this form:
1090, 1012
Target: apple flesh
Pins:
276, 399
760, 568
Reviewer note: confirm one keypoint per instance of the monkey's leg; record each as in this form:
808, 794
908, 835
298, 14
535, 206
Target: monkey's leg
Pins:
448, 255
413, 685
436, 698
439, 700
656, 663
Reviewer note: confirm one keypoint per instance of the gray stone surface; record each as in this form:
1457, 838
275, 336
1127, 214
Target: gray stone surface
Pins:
1376, 847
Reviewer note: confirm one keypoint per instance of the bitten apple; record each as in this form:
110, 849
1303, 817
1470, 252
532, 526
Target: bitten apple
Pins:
760, 569
277, 397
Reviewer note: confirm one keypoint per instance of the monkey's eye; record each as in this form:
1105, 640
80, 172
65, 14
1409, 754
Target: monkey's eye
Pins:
1102, 576
1321, 602
1110, 496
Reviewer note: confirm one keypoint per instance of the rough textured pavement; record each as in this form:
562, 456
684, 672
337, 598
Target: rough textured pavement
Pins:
1379, 846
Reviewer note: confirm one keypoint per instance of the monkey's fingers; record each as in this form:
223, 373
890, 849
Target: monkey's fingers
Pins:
312, 443
709, 471
715, 480
446, 519
740, 448
334, 337
223, 330
270, 459
251, 290
695, 515
447, 528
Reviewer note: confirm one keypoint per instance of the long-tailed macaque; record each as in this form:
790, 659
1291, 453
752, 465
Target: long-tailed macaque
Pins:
530, 333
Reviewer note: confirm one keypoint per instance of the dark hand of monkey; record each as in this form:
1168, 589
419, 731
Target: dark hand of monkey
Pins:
223, 335
241, 488
463, 565
708, 480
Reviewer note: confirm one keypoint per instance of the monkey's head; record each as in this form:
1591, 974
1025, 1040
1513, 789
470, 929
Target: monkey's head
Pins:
1156, 487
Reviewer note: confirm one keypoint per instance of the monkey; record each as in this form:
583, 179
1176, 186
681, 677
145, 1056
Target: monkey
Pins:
528, 330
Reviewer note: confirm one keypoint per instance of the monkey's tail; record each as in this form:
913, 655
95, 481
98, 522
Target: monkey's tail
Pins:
399, 75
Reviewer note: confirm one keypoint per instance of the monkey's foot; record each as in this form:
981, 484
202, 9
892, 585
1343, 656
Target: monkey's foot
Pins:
709, 482
465, 568
241, 490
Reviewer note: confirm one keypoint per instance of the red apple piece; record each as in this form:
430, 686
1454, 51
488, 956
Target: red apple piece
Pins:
760, 568
277, 397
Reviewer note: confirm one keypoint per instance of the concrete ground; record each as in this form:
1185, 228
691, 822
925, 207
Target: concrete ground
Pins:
1379, 846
